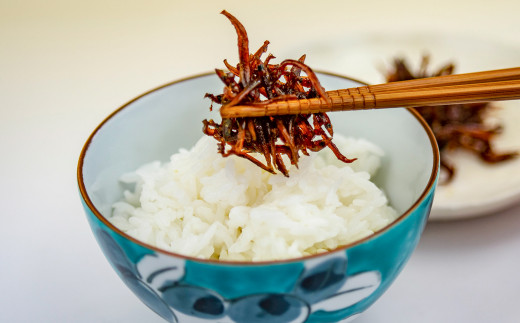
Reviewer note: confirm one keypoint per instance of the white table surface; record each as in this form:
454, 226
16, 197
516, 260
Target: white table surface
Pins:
65, 65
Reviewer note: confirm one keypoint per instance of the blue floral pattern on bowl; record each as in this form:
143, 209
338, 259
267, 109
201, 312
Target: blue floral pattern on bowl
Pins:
160, 281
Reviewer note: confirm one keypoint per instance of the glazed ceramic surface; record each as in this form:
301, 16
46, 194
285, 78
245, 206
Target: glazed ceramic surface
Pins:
329, 287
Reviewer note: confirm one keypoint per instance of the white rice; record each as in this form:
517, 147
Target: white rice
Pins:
202, 205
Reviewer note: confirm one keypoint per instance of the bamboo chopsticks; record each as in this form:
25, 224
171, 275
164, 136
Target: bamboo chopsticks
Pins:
495, 85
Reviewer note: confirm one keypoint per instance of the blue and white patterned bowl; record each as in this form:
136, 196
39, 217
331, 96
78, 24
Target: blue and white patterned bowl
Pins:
329, 287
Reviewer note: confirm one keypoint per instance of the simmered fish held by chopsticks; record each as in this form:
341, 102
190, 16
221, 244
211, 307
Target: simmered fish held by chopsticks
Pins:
254, 81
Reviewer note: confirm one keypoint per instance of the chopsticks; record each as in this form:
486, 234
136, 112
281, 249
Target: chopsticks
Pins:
495, 85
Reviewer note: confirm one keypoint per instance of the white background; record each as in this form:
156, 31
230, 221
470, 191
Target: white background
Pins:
65, 65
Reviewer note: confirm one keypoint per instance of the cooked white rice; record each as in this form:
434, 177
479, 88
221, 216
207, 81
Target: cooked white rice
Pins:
202, 205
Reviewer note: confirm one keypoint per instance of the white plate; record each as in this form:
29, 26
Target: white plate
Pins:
478, 188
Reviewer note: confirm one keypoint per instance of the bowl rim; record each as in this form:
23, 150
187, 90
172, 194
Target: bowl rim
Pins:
84, 195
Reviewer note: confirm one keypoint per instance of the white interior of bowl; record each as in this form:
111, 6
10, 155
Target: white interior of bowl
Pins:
156, 125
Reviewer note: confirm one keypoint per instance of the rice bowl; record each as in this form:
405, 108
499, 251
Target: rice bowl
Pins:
327, 286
